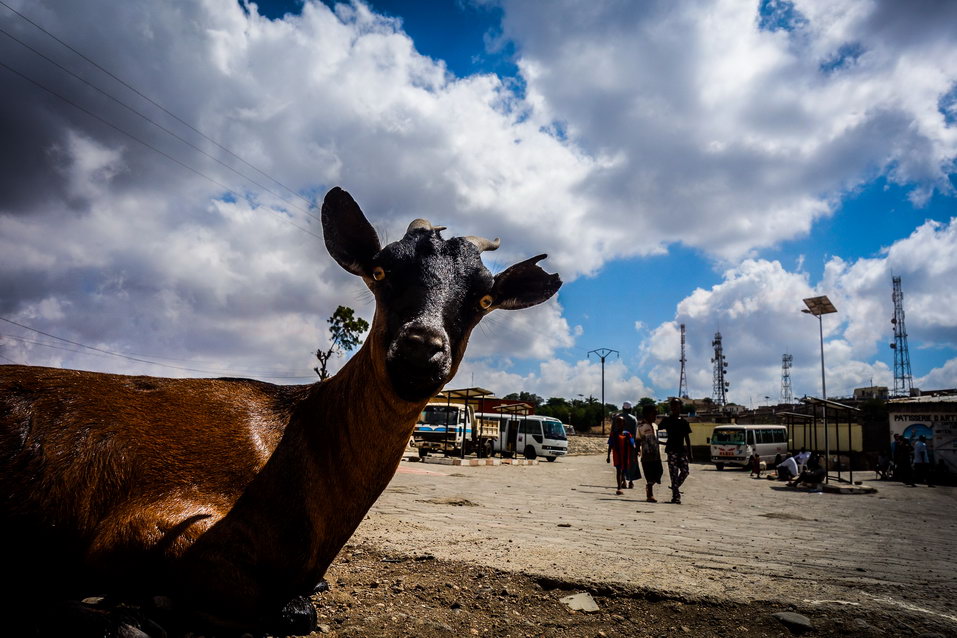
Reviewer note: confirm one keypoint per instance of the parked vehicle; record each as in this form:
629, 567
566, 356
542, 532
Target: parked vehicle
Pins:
451, 428
532, 436
734, 444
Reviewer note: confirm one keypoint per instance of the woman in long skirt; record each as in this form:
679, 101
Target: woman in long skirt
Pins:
650, 451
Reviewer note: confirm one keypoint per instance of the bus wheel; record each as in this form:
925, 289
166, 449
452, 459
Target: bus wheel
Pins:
719, 466
551, 459
530, 452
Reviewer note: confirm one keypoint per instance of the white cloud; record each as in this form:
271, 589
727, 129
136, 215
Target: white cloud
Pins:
557, 378
729, 137
757, 310
675, 122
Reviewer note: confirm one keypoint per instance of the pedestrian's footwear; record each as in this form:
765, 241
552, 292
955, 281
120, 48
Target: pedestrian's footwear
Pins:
651, 499
631, 484
619, 492
649, 492
676, 500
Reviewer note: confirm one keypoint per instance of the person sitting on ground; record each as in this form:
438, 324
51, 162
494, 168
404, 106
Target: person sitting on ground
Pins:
813, 475
787, 469
883, 468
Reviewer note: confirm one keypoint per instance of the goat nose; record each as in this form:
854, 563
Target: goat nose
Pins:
423, 343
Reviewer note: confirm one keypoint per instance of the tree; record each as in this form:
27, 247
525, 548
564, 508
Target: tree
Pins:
525, 397
346, 331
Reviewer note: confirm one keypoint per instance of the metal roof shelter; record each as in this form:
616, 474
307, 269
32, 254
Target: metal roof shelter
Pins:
840, 412
515, 409
463, 394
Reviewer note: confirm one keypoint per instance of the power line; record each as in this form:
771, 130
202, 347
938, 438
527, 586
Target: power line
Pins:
132, 358
154, 123
153, 102
136, 139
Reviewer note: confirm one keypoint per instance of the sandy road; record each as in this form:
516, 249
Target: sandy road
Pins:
733, 538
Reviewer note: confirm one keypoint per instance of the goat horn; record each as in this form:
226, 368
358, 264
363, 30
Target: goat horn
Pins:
423, 224
483, 244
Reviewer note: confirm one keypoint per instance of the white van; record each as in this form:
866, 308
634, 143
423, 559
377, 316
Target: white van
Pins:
734, 444
531, 436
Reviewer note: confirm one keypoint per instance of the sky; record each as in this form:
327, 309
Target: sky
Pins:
707, 163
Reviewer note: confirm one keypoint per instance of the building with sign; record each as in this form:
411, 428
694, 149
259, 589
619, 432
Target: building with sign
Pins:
935, 417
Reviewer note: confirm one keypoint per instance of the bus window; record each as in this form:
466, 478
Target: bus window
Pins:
554, 429
727, 437
750, 437
531, 427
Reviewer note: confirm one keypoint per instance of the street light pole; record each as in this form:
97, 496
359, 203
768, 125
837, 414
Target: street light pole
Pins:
820, 306
602, 353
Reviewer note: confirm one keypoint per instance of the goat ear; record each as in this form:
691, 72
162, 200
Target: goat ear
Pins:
349, 236
524, 284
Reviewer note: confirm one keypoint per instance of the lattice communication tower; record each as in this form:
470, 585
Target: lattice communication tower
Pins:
720, 387
903, 382
787, 397
683, 380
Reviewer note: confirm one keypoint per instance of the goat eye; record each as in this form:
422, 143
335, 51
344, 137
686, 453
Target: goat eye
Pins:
378, 273
486, 302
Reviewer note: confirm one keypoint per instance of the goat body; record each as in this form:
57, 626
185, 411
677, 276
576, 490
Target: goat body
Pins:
233, 496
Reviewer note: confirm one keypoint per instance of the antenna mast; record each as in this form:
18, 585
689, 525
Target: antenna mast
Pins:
903, 382
720, 386
786, 396
683, 381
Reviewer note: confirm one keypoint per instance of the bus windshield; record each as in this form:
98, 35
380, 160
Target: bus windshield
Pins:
439, 415
726, 436
553, 429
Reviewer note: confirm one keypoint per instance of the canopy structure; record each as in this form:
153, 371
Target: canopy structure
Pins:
839, 413
464, 395
515, 409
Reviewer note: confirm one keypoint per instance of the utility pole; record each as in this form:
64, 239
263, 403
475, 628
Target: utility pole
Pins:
602, 353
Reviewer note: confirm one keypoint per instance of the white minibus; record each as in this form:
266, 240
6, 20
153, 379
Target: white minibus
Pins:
531, 436
734, 444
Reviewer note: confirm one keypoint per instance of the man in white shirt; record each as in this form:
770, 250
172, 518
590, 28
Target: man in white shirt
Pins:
801, 457
921, 462
787, 469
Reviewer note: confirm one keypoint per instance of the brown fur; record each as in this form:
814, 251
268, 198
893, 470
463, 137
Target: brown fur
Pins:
276, 476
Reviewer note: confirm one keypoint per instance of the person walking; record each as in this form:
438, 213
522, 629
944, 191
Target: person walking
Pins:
650, 451
921, 462
633, 470
678, 448
621, 442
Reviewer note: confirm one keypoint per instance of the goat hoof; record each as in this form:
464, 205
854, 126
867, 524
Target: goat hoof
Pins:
297, 618
129, 631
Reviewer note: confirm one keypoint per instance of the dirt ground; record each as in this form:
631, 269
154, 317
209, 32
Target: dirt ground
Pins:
492, 550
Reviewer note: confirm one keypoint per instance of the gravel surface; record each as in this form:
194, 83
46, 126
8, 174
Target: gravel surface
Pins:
748, 545
498, 550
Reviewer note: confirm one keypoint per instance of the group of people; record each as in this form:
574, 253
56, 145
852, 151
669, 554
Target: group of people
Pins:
911, 461
803, 467
633, 448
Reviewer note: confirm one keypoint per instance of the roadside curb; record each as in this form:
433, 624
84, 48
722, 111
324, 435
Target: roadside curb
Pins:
848, 489
469, 462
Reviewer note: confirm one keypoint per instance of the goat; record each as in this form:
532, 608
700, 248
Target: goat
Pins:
231, 497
